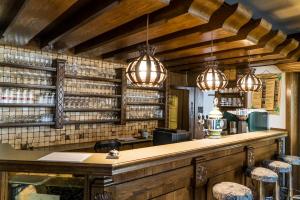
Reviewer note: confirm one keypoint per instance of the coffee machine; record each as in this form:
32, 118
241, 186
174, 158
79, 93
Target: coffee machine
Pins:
248, 120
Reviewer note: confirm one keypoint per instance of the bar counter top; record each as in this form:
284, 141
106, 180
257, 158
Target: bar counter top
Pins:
11, 159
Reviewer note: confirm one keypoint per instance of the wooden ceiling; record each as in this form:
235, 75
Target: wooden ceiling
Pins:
182, 31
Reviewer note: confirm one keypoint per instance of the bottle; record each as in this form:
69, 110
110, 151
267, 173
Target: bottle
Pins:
24, 96
30, 97
18, 96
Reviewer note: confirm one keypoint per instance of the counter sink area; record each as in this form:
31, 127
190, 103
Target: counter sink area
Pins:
187, 169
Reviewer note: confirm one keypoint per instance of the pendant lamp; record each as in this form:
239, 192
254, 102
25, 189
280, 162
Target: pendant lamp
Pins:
211, 78
146, 70
249, 82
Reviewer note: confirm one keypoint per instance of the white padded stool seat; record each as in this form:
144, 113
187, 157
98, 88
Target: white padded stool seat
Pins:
278, 166
293, 160
264, 175
231, 191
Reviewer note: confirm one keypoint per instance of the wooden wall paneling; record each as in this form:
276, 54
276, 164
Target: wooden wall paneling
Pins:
247, 36
124, 12
175, 17
3, 185
292, 119
224, 22
155, 186
33, 17
81, 12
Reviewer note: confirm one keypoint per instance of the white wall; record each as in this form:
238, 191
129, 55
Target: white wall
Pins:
275, 121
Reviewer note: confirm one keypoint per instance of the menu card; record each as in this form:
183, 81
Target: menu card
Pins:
256, 99
65, 157
270, 94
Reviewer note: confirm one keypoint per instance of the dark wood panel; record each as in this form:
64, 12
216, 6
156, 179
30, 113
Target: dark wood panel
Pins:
123, 12
154, 186
33, 17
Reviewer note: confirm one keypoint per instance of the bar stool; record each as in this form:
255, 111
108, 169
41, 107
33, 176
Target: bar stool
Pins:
231, 191
281, 168
294, 161
264, 175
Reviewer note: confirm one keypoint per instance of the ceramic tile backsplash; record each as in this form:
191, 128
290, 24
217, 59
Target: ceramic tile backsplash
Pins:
44, 136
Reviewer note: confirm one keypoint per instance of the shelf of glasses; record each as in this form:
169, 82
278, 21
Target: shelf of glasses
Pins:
145, 119
231, 106
16, 124
144, 104
93, 121
30, 86
146, 88
93, 78
92, 95
92, 110
50, 69
25, 105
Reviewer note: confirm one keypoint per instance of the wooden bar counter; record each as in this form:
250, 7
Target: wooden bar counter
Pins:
180, 171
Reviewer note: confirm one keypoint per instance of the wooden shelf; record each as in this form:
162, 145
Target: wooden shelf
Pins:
25, 105
12, 124
144, 104
50, 69
93, 78
145, 88
91, 110
30, 86
92, 121
144, 119
92, 95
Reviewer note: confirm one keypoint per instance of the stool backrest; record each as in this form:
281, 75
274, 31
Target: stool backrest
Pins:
105, 146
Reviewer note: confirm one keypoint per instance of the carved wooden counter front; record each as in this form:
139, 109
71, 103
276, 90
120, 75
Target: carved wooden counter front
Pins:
180, 171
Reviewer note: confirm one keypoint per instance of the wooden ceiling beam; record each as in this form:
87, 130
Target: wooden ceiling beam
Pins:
76, 16
177, 16
287, 50
289, 67
33, 17
8, 10
125, 11
266, 45
249, 35
224, 22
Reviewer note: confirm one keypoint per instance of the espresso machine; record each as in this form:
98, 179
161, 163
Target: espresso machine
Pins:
247, 120
214, 123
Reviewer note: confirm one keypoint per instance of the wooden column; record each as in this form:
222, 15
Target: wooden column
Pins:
292, 119
59, 108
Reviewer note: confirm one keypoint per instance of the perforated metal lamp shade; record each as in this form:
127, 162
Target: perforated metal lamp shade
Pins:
211, 78
146, 70
249, 82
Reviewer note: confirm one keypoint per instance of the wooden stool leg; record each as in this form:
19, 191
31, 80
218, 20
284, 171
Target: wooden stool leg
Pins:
261, 191
290, 185
277, 190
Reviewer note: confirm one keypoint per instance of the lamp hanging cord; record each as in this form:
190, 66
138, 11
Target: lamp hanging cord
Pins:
249, 62
212, 43
147, 35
